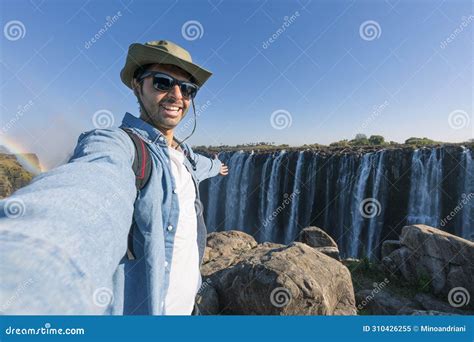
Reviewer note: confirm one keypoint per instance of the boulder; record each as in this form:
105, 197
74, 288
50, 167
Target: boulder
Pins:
332, 252
383, 302
434, 259
316, 237
320, 240
223, 248
430, 303
285, 280
207, 299
388, 246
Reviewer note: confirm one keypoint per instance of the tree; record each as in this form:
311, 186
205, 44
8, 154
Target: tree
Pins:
376, 140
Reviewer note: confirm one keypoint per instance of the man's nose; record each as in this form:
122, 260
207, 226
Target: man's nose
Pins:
175, 91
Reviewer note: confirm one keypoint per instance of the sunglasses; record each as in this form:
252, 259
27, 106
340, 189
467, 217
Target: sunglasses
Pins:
165, 82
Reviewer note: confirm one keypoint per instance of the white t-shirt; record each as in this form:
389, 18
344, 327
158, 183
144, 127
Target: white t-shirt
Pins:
185, 277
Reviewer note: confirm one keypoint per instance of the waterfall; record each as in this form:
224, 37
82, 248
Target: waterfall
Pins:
310, 181
272, 199
378, 194
291, 232
272, 196
424, 205
244, 184
262, 208
359, 196
344, 186
233, 189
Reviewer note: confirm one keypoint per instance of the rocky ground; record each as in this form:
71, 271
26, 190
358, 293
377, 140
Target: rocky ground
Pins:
425, 272
12, 175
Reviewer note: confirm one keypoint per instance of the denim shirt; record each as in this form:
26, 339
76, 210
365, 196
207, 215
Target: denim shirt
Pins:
63, 238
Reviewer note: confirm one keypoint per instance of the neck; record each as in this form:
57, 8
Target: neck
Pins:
167, 133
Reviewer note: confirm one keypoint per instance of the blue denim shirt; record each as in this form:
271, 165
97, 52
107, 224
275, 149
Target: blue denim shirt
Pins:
63, 238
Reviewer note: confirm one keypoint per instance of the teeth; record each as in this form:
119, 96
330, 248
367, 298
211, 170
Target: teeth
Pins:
171, 108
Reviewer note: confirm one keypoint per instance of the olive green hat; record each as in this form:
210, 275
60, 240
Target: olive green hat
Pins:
161, 52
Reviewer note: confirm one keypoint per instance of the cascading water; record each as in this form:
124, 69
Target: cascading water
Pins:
424, 205
407, 186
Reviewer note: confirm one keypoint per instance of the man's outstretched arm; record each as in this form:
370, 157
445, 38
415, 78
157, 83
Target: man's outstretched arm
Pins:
63, 235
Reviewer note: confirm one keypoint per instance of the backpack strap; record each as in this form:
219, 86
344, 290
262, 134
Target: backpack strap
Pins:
142, 161
142, 168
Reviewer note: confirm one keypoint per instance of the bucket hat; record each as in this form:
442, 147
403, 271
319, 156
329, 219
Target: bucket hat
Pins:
161, 52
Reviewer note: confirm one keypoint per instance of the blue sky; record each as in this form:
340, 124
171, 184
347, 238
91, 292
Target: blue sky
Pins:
322, 76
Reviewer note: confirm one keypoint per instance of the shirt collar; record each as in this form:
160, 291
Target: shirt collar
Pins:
146, 130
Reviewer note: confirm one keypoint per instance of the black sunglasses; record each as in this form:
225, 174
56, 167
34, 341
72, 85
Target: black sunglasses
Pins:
164, 82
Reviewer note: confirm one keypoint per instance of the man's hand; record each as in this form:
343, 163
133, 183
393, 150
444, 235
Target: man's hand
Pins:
224, 170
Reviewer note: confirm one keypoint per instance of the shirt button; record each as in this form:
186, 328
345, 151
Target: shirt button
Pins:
175, 191
170, 228
166, 263
160, 138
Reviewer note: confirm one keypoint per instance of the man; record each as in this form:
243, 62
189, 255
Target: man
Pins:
67, 242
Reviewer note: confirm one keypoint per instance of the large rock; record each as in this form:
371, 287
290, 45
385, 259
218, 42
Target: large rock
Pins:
320, 240
384, 302
388, 246
223, 248
434, 259
316, 237
285, 280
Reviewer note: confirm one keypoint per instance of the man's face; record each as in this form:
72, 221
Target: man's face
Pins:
161, 106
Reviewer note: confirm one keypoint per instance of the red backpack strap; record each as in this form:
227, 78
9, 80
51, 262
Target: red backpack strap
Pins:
142, 168
142, 161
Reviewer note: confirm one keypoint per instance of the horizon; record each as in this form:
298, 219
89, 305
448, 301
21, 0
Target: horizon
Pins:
305, 72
